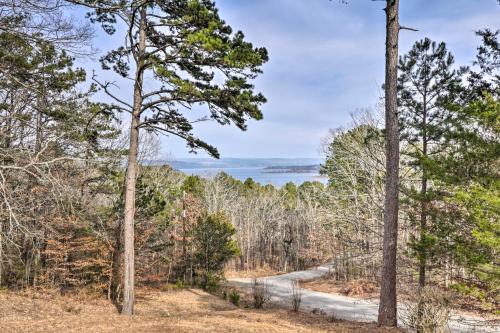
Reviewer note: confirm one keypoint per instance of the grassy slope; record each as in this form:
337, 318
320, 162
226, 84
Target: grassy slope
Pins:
175, 311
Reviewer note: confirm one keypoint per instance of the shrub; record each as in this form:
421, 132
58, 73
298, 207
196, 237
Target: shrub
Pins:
74, 257
234, 297
359, 287
296, 295
427, 311
208, 281
179, 284
318, 311
260, 293
212, 283
213, 235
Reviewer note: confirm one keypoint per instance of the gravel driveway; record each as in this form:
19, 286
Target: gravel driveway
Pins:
343, 307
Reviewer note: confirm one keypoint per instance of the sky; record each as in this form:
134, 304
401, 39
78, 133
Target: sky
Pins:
326, 62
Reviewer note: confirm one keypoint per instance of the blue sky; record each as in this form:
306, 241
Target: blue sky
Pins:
326, 61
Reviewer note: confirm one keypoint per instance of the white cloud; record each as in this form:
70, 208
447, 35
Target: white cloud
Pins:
326, 60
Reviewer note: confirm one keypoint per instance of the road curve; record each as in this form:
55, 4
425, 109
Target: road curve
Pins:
343, 307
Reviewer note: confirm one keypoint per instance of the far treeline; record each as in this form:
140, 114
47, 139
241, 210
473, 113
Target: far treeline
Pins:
73, 217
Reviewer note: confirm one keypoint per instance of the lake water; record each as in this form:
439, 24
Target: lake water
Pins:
258, 175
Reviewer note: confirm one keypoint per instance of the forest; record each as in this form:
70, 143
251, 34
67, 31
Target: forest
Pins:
82, 209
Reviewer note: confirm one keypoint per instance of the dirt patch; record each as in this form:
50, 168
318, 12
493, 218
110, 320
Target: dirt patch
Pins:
176, 311
359, 288
261, 272
369, 290
463, 304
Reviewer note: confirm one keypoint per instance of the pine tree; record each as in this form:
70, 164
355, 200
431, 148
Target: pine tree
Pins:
427, 84
470, 173
387, 313
48, 131
215, 246
192, 58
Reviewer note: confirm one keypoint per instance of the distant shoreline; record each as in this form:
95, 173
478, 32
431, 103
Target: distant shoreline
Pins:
274, 163
276, 177
292, 169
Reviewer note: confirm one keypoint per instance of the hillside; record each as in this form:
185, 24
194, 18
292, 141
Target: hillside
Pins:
185, 311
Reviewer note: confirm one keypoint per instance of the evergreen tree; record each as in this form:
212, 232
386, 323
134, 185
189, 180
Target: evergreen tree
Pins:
50, 133
215, 246
469, 171
427, 84
190, 58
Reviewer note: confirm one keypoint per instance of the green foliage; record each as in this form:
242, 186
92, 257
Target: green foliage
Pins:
470, 169
249, 184
195, 59
460, 130
427, 85
42, 82
211, 282
479, 293
215, 246
234, 297
194, 185
311, 191
57, 150
150, 201
289, 191
479, 249
474, 144
179, 284
467, 290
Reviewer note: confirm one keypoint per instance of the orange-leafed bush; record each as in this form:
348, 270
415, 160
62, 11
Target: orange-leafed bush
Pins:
74, 257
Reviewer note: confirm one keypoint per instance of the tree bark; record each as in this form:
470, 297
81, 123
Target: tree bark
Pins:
116, 276
131, 177
423, 219
1, 253
423, 203
387, 314
184, 240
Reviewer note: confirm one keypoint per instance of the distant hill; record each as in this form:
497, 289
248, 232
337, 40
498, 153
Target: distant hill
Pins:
292, 169
228, 162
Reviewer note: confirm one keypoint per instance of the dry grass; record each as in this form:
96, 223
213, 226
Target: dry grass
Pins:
365, 289
256, 273
428, 310
360, 288
156, 311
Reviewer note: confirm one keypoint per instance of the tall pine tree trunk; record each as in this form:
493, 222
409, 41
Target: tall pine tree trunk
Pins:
423, 202
387, 314
1, 253
423, 219
116, 276
131, 177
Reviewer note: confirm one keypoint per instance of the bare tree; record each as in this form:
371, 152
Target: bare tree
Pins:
46, 20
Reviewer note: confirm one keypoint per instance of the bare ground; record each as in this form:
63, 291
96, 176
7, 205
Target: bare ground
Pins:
157, 311
362, 289
255, 273
369, 290
352, 308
